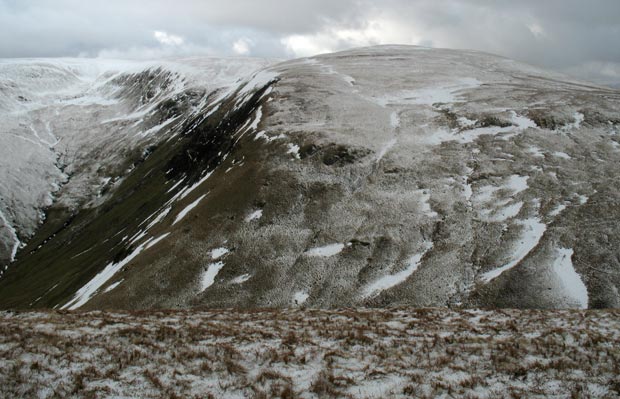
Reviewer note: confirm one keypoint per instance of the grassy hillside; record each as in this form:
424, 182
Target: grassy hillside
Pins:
71, 247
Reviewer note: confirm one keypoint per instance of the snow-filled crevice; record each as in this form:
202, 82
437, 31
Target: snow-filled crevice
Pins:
391, 280
570, 281
88, 291
13, 235
532, 231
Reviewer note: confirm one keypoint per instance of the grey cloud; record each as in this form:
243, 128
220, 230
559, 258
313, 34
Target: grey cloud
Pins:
571, 35
560, 34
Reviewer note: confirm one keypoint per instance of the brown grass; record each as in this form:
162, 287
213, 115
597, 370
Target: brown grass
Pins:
265, 353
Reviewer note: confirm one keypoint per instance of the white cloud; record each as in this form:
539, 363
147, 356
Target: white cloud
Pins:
537, 30
373, 32
242, 46
306, 45
168, 39
158, 52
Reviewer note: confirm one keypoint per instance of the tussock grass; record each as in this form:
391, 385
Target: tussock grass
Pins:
355, 353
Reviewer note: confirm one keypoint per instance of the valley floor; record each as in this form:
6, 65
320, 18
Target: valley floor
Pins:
358, 353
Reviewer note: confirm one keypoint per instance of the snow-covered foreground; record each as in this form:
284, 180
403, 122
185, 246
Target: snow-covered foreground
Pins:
311, 353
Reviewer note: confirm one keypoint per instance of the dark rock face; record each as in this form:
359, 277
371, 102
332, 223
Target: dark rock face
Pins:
379, 177
210, 140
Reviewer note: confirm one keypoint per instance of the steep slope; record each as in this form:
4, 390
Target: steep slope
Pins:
378, 176
74, 123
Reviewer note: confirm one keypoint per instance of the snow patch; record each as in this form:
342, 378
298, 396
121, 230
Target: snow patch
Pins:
325, 251
582, 199
432, 95
186, 191
177, 184
394, 120
578, 120
13, 234
113, 285
557, 210
257, 118
88, 99
212, 111
254, 215
386, 147
137, 237
208, 276
521, 121
425, 205
293, 149
533, 230
84, 294
187, 209
329, 70
258, 81
391, 280
562, 155
506, 212
520, 124
159, 127
514, 183
395, 124
218, 252
569, 278
241, 279
467, 191
156, 240
159, 218
300, 297
466, 123
517, 183
269, 139
535, 151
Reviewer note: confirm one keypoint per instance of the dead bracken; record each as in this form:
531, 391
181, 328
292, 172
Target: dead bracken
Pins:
352, 353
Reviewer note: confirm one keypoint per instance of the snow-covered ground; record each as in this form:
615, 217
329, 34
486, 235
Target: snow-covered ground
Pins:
396, 353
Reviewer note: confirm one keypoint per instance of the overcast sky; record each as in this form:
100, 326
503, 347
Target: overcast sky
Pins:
581, 37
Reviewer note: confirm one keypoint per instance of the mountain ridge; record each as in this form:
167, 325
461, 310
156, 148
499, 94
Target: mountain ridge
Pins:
378, 176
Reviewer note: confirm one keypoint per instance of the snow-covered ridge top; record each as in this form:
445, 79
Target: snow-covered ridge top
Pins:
204, 71
474, 57
34, 78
